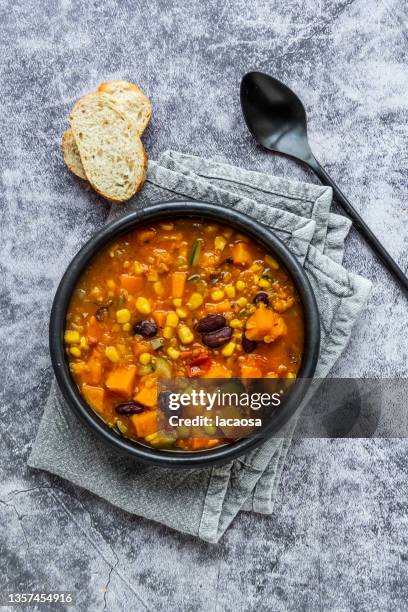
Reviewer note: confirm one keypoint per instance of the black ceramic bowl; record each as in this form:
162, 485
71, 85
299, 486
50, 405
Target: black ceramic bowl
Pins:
160, 212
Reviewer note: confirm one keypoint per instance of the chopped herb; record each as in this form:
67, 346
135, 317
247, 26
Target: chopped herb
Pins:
195, 253
194, 277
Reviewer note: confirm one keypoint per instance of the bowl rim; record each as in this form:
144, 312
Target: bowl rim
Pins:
151, 214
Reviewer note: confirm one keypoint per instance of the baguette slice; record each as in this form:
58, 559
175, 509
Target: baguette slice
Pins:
112, 154
71, 155
133, 101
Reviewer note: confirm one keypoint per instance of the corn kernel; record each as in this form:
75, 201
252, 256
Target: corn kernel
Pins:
181, 313
138, 268
111, 284
242, 301
195, 301
71, 337
172, 319
168, 332
158, 288
126, 264
230, 291
237, 334
145, 358
290, 375
75, 351
151, 437
256, 267
167, 226
173, 353
271, 262
185, 334
123, 315
227, 233
217, 295
240, 285
83, 343
228, 349
177, 302
264, 283
112, 354
235, 324
126, 327
152, 276
220, 243
143, 305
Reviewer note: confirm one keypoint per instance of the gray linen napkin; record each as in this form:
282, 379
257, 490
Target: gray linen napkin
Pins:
204, 502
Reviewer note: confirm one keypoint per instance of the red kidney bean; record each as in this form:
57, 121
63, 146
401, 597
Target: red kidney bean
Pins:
129, 408
102, 313
248, 345
146, 328
210, 323
217, 338
261, 296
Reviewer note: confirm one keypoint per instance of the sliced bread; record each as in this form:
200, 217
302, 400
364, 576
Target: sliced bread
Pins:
133, 101
112, 154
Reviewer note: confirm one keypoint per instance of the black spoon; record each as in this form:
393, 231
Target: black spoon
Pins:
276, 118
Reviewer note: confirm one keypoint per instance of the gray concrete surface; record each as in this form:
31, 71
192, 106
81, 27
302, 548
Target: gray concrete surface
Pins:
338, 539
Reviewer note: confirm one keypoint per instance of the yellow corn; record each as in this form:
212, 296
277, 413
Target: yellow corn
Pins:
112, 354
271, 262
217, 295
242, 301
111, 284
219, 243
145, 358
123, 315
235, 324
240, 285
290, 375
143, 305
168, 332
256, 267
151, 437
185, 334
264, 283
172, 319
195, 301
177, 302
181, 313
71, 337
152, 276
75, 351
167, 226
227, 233
126, 327
138, 268
230, 291
83, 343
173, 353
126, 264
228, 349
158, 288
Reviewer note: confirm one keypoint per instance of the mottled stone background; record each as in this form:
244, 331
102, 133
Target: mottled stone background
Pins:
338, 539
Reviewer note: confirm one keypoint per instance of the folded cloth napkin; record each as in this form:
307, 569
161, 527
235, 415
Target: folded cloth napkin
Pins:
203, 502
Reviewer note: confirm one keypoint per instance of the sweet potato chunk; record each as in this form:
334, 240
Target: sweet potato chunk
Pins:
265, 325
241, 254
121, 380
145, 423
95, 396
133, 284
147, 396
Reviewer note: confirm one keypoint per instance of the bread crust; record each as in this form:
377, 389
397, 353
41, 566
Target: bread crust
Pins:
113, 106
71, 155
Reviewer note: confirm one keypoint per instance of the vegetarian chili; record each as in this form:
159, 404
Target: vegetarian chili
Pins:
180, 299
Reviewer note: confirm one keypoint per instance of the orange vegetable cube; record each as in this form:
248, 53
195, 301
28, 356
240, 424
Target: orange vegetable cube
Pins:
93, 331
147, 396
95, 396
133, 284
160, 317
250, 371
178, 281
265, 325
241, 254
217, 370
94, 369
145, 423
121, 380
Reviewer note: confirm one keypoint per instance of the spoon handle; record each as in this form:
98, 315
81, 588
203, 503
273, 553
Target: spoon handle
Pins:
362, 227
